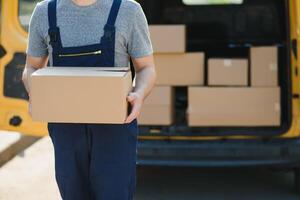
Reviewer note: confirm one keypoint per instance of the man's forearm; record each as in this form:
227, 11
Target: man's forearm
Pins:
145, 80
28, 70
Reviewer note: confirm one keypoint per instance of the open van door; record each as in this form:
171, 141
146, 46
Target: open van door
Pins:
295, 44
14, 114
295, 9
295, 57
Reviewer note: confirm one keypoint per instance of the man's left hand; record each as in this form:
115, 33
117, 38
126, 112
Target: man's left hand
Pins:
136, 101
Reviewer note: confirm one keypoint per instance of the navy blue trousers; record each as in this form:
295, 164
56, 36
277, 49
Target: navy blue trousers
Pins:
95, 161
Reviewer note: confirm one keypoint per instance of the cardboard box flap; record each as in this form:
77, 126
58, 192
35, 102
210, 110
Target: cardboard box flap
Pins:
82, 71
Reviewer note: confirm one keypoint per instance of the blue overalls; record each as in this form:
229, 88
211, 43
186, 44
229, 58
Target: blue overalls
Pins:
92, 161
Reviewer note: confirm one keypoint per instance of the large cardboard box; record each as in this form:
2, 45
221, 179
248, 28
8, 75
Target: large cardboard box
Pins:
180, 69
241, 107
168, 38
264, 66
80, 94
158, 107
227, 72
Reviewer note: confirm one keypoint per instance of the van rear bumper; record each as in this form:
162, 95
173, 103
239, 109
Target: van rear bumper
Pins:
223, 153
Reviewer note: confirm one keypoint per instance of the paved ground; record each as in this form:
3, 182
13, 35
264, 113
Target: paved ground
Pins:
7, 139
30, 177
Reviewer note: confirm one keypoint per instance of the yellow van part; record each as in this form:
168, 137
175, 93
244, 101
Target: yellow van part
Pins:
14, 40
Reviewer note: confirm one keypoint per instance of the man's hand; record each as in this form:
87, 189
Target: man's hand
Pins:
145, 78
136, 101
32, 64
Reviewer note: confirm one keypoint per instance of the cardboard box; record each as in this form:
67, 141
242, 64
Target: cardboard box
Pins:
236, 107
180, 69
168, 38
264, 66
158, 107
80, 94
227, 72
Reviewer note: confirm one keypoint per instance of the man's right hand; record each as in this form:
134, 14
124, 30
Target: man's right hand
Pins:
32, 64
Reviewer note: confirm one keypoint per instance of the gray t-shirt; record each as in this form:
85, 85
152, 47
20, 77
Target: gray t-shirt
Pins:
83, 25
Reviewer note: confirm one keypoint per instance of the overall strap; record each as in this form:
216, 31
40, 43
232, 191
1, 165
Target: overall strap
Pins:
52, 14
52, 20
109, 28
113, 13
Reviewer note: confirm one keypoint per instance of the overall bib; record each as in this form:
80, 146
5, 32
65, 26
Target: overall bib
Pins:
92, 161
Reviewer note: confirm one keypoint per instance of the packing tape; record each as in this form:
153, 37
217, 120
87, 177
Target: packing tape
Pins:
273, 67
227, 62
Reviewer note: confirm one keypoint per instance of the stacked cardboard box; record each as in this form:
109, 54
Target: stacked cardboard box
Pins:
174, 67
230, 99
232, 106
227, 72
257, 105
168, 38
264, 66
232, 103
180, 69
158, 107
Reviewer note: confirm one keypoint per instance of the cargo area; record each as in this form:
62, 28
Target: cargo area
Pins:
222, 69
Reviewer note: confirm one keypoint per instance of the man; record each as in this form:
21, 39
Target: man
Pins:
93, 161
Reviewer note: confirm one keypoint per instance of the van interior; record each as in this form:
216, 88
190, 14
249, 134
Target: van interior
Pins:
227, 31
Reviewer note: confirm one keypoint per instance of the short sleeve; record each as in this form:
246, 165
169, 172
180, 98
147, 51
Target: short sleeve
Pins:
139, 44
37, 45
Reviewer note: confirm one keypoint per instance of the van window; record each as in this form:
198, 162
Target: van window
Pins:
25, 10
211, 2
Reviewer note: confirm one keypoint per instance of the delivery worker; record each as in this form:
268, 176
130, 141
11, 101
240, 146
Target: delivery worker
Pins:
93, 161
